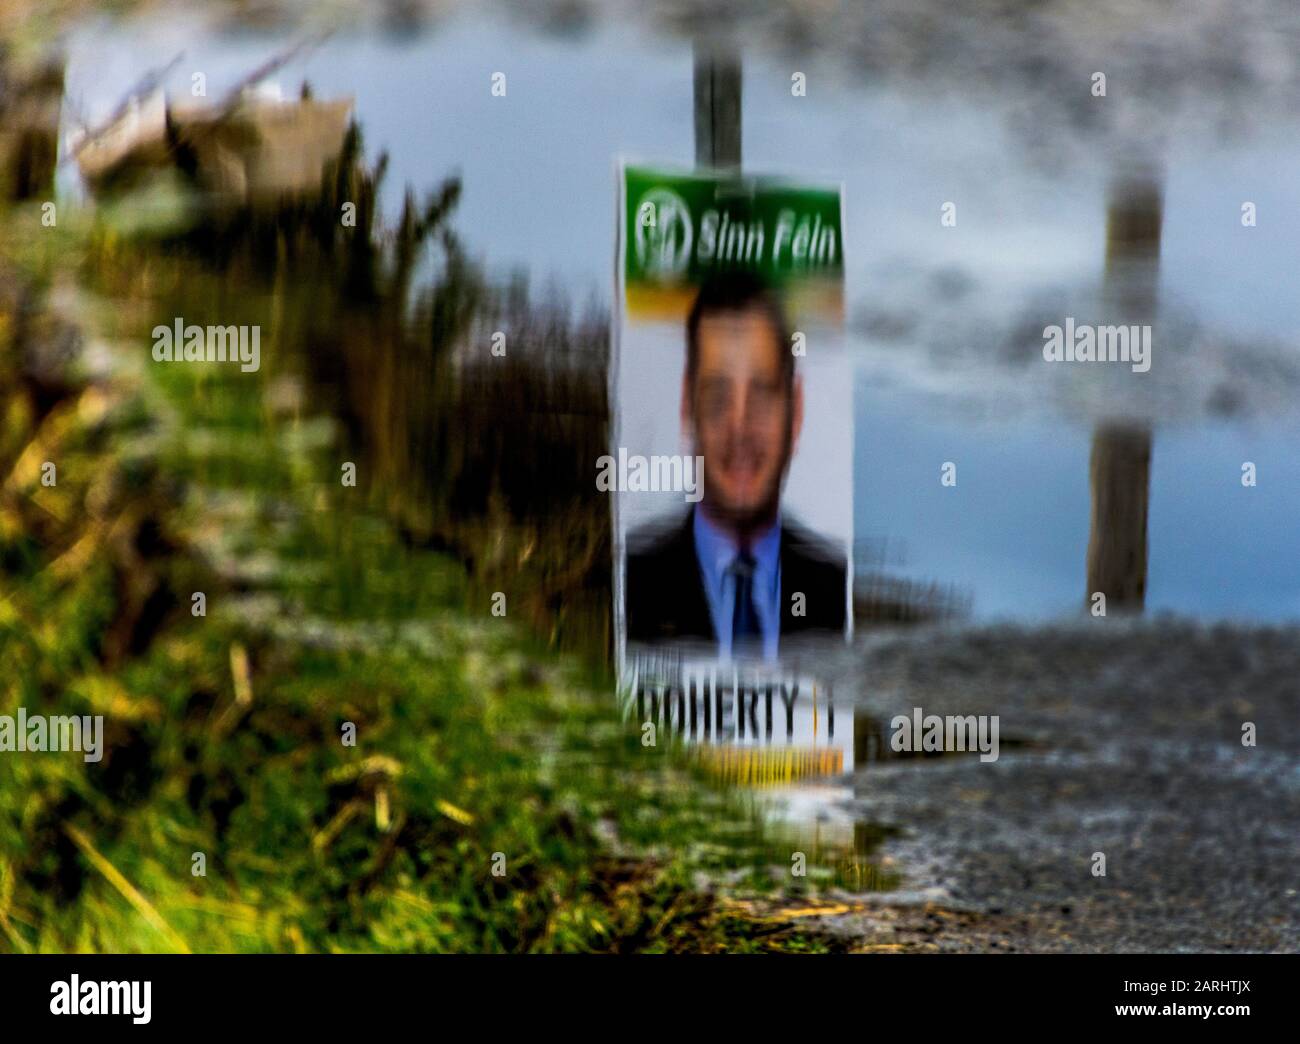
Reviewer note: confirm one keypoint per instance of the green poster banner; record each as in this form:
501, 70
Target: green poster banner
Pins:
680, 227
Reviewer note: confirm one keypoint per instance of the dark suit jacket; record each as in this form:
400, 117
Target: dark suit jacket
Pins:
664, 592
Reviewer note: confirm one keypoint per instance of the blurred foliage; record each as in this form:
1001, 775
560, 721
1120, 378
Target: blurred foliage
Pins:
487, 458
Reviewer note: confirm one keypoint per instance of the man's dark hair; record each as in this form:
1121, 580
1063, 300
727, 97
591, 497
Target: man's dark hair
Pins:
737, 290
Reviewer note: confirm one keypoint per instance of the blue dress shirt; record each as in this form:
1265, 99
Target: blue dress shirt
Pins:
716, 551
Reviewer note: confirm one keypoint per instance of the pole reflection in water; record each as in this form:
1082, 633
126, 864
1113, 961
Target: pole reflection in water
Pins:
1121, 452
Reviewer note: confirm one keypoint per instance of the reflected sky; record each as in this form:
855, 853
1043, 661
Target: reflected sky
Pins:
539, 196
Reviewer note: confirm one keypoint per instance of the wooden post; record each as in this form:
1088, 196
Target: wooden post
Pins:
1117, 548
1121, 453
717, 107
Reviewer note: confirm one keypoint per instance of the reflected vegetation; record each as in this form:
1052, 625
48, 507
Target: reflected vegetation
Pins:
482, 456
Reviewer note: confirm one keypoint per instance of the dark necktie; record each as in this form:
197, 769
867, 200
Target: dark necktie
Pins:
746, 635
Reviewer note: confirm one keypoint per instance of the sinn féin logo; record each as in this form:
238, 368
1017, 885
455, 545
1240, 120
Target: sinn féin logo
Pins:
663, 234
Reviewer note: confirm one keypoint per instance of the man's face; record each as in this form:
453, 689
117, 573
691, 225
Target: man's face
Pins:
744, 417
